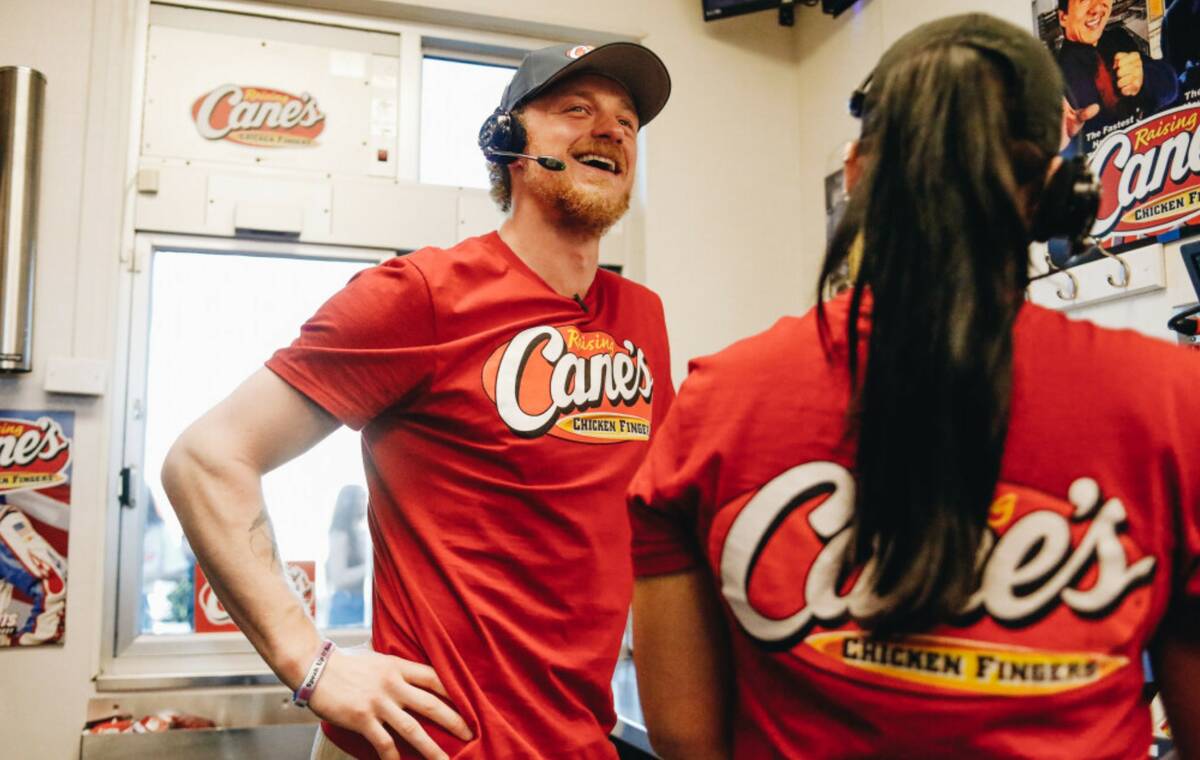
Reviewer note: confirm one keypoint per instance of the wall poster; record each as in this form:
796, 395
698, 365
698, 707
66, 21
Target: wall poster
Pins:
35, 517
1132, 71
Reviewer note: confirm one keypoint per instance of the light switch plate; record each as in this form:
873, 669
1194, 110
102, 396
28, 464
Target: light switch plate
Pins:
80, 377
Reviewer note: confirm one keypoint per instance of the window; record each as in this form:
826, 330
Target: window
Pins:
209, 323
456, 98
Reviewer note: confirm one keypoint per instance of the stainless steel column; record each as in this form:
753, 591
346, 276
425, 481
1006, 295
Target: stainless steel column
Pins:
22, 95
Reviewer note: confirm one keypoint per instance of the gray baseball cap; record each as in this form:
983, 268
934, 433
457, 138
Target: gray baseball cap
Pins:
633, 66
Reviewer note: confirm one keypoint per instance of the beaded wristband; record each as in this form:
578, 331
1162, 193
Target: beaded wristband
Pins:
301, 695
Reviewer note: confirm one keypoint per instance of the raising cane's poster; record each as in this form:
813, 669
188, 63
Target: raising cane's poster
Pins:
35, 500
1132, 73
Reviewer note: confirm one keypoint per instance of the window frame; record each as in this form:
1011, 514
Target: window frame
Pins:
209, 654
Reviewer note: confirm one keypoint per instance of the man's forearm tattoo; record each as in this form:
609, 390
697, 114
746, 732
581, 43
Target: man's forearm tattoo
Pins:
262, 540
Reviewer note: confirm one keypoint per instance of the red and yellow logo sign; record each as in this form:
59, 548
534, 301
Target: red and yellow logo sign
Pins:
258, 116
210, 615
579, 386
32, 454
1150, 175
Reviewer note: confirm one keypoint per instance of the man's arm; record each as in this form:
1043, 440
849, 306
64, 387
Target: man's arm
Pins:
680, 652
213, 477
1176, 655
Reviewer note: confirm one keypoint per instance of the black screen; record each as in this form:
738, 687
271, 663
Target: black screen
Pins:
1191, 259
716, 9
836, 7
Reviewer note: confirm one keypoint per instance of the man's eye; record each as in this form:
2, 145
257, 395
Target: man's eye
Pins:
626, 123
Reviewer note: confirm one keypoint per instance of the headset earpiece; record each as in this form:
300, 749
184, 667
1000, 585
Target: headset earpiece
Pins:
501, 131
858, 98
1069, 203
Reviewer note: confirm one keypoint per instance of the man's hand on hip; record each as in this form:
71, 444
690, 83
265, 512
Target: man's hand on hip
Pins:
368, 693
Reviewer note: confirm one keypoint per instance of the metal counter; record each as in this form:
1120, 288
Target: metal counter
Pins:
269, 739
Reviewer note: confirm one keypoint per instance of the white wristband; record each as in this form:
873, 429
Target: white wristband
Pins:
304, 693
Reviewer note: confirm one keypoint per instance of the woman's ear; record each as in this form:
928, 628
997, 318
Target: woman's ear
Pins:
851, 166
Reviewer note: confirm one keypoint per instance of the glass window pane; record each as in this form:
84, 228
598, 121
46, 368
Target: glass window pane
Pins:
212, 324
456, 98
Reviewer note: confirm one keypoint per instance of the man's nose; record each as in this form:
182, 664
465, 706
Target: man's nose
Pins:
608, 125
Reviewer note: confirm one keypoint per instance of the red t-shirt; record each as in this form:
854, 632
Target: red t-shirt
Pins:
501, 424
1095, 525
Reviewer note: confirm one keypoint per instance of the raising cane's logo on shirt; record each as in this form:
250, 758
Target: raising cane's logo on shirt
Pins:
579, 386
258, 116
1040, 556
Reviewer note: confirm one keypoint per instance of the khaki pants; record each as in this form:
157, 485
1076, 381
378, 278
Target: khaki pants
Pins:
323, 749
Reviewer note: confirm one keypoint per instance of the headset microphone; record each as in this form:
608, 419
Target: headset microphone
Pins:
546, 162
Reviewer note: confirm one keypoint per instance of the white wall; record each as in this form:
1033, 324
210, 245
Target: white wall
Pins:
734, 221
43, 692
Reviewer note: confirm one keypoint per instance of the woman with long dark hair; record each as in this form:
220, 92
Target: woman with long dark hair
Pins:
927, 519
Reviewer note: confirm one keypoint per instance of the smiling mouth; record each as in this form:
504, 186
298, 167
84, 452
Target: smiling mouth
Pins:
597, 161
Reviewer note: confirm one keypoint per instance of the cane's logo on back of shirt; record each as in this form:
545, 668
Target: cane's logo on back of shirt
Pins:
579, 386
1046, 564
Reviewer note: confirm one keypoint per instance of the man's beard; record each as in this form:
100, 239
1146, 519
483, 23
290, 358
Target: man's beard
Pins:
587, 209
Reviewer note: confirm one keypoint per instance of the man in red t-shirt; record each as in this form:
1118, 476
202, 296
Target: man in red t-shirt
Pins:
506, 389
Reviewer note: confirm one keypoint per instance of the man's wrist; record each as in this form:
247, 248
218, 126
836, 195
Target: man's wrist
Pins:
295, 657
303, 693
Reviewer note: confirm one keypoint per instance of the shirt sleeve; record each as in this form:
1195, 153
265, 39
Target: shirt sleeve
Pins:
1160, 83
664, 388
665, 496
368, 348
1189, 570
1181, 425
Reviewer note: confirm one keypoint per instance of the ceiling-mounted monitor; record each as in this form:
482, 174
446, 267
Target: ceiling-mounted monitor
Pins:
718, 9
835, 8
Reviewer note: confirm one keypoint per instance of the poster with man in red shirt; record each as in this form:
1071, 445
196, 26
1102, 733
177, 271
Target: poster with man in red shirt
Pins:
506, 389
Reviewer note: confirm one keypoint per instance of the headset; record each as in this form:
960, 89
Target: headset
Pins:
501, 136
1069, 202
502, 139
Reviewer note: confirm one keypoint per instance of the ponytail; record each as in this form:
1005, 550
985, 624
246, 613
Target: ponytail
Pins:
943, 223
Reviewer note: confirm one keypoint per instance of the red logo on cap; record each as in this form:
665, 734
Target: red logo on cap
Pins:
579, 51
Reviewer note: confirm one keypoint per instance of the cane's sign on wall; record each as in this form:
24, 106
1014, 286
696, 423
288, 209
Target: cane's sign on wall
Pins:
258, 116
210, 616
1150, 174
